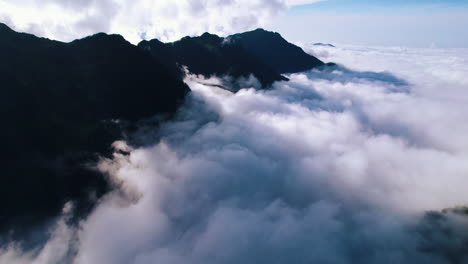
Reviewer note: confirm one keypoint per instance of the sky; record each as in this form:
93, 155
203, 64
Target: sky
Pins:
413, 23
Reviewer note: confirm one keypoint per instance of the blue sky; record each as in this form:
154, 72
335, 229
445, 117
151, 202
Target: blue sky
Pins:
413, 23
362, 5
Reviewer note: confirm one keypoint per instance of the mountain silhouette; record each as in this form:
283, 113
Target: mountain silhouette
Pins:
263, 54
63, 104
275, 51
59, 106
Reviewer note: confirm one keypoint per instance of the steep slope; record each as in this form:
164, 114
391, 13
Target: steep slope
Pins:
58, 106
278, 53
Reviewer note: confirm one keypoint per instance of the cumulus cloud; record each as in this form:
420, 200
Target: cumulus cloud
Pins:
137, 19
335, 166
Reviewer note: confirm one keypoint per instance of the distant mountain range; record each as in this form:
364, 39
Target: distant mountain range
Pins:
324, 45
62, 104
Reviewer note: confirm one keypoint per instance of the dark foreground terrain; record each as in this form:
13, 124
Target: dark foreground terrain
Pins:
63, 104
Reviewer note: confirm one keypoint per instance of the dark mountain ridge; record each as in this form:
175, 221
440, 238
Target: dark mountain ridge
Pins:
266, 55
324, 45
58, 104
63, 104
274, 50
210, 55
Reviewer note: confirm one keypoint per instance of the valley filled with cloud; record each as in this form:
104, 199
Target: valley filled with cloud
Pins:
359, 162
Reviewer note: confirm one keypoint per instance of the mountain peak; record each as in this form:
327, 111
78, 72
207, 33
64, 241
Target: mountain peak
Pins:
209, 38
260, 30
4, 27
5, 30
271, 47
324, 44
209, 35
102, 37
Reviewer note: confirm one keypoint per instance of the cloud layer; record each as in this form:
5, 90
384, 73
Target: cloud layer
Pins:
137, 19
337, 166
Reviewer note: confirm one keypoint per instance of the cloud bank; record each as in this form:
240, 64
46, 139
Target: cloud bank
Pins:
336, 166
138, 19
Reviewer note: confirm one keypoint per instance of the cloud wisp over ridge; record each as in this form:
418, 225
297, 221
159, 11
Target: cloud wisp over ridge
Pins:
337, 166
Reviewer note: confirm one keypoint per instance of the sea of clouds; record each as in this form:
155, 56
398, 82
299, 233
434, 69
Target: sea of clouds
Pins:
351, 164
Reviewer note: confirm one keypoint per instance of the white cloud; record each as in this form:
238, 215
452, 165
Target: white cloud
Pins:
164, 19
58, 249
331, 167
